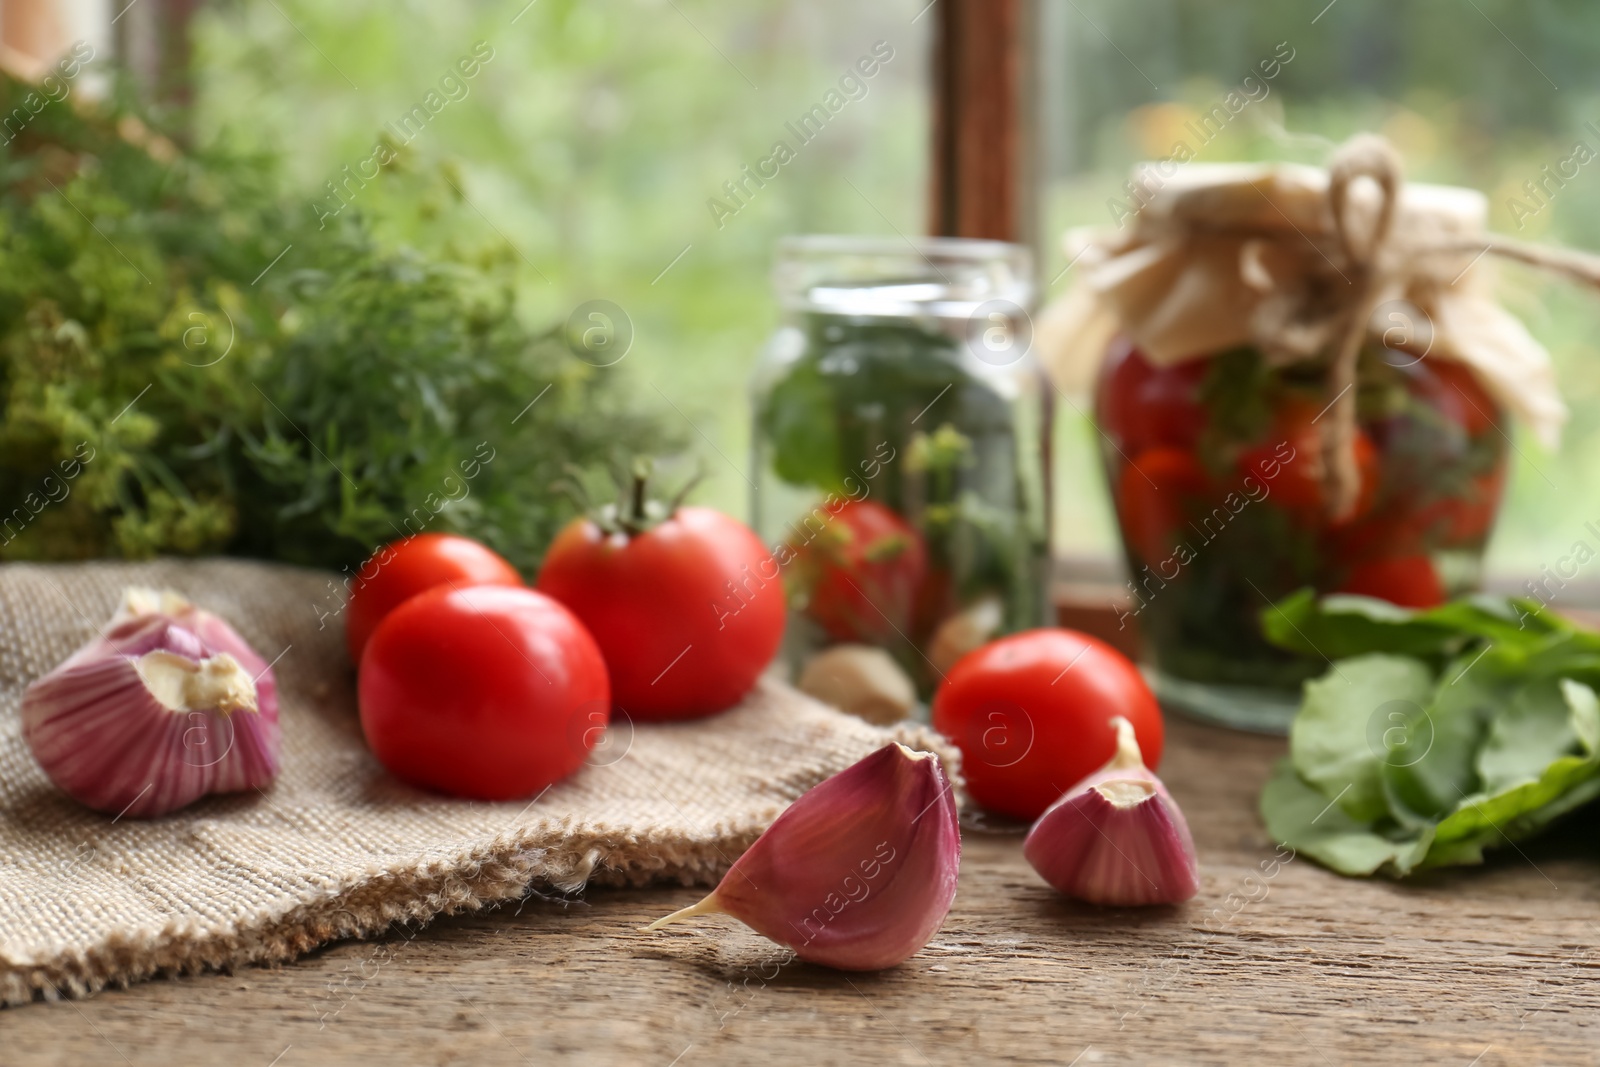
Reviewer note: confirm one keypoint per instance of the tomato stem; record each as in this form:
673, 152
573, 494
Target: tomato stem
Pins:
636, 520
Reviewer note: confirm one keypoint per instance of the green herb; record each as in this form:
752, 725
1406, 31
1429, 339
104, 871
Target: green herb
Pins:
219, 374
1434, 734
863, 383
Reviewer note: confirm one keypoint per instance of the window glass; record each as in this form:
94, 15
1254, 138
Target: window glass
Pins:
605, 145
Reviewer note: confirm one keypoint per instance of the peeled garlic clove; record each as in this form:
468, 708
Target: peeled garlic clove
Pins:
966, 630
149, 716
862, 680
858, 873
1117, 837
213, 631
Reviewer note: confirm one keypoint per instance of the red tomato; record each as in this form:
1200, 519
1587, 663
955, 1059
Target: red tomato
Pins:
400, 570
1454, 389
1140, 405
487, 691
1289, 463
1156, 493
865, 571
687, 613
1396, 530
1409, 581
1469, 518
1031, 714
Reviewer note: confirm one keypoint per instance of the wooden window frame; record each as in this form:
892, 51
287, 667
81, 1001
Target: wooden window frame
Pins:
981, 175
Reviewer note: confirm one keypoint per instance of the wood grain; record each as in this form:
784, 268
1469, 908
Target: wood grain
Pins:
979, 180
1280, 963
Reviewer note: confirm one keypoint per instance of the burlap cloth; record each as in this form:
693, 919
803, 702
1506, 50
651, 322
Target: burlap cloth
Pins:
337, 848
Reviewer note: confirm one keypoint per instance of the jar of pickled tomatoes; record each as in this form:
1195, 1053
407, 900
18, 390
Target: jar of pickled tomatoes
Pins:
1215, 469
1301, 381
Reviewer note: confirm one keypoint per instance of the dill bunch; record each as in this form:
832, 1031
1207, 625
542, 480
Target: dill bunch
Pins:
169, 385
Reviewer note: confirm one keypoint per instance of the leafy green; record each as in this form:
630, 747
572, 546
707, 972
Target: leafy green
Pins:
1333, 750
1303, 817
1344, 624
190, 364
1484, 733
894, 409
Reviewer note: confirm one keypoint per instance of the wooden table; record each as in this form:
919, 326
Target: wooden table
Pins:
1273, 962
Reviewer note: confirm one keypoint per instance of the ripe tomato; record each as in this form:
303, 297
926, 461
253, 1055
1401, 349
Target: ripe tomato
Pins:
864, 573
486, 691
1409, 581
400, 570
1031, 714
1289, 462
1156, 493
1398, 529
1469, 518
1455, 390
687, 612
1140, 405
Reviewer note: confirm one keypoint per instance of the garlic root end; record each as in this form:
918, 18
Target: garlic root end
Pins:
708, 906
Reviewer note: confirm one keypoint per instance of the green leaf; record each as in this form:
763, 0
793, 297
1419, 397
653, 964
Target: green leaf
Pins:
1512, 814
798, 417
1344, 625
1340, 738
1307, 821
1425, 781
1585, 707
1533, 730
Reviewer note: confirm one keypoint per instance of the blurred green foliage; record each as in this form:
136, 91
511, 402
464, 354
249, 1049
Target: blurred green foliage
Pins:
174, 380
585, 151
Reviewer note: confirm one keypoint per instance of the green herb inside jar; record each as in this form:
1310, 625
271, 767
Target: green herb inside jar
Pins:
906, 482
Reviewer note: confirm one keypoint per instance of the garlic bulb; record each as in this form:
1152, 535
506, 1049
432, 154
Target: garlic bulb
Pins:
858, 873
1117, 837
166, 706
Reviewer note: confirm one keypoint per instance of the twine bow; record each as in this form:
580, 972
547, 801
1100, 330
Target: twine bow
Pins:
1363, 156
1297, 263
1373, 266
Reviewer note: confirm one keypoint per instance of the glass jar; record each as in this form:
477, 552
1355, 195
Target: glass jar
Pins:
1215, 468
900, 444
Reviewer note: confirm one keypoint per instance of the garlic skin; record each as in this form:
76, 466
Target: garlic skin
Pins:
858, 873
860, 679
970, 628
151, 715
1116, 838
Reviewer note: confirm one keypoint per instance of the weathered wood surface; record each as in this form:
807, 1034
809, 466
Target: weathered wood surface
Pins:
1293, 965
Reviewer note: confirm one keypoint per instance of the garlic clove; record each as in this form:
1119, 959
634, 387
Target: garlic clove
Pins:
148, 717
1117, 837
214, 633
858, 873
968, 629
862, 680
